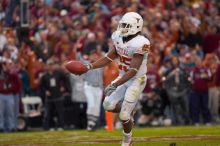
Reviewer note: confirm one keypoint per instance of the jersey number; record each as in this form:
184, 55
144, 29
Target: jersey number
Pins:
125, 62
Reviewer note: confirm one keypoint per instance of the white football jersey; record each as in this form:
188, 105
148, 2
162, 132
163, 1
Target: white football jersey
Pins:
125, 51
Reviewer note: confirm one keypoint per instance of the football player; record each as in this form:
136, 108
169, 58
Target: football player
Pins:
130, 50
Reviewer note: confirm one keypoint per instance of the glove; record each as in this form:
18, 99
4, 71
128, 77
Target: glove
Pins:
110, 89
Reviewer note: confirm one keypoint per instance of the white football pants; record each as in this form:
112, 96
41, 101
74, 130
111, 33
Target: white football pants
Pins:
94, 98
129, 93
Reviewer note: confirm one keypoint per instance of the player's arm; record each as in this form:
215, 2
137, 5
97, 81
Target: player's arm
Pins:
134, 67
108, 58
136, 62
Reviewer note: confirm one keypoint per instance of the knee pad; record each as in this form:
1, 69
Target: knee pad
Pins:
126, 110
124, 116
108, 105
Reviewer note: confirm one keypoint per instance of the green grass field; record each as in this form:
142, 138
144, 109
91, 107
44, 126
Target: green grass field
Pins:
181, 136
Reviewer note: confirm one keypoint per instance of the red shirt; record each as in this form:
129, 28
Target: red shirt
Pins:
211, 42
199, 82
9, 83
153, 81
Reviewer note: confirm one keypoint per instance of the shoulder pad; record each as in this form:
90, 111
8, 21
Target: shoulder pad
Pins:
142, 45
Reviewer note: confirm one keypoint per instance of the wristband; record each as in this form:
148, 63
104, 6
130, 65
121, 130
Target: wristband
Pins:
89, 66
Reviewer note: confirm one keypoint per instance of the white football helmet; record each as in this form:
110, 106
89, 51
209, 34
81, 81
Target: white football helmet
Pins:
130, 24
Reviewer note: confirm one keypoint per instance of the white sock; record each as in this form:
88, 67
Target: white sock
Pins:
127, 134
127, 137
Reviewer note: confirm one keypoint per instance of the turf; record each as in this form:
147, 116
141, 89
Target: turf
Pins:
164, 136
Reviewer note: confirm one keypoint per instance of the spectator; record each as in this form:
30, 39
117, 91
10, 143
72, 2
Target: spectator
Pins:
188, 62
9, 87
3, 39
41, 46
165, 67
199, 96
53, 85
79, 98
102, 41
93, 90
211, 40
194, 37
152, 110
11, 49
218, 85
212, 61
90, 44
24, 77
151, 103
2, 13
64, 46
9, 13
177, 87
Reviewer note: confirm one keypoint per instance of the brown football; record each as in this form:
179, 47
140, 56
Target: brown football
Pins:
76, 67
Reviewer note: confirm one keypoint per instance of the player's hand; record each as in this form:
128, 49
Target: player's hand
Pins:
110, 89
77, 67
89, 67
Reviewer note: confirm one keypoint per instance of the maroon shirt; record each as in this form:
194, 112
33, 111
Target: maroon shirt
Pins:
199, 82
10, 83
153, 81
211, 42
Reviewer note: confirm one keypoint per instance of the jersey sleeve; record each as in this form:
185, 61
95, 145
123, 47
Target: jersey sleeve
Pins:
143, 46
143, 50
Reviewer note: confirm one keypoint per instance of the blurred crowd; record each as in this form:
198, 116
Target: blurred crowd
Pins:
183, 66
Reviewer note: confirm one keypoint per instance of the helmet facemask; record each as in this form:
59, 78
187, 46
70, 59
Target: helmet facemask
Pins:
130, 24
124, 28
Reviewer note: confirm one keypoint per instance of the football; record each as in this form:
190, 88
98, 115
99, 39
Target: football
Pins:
76, 67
